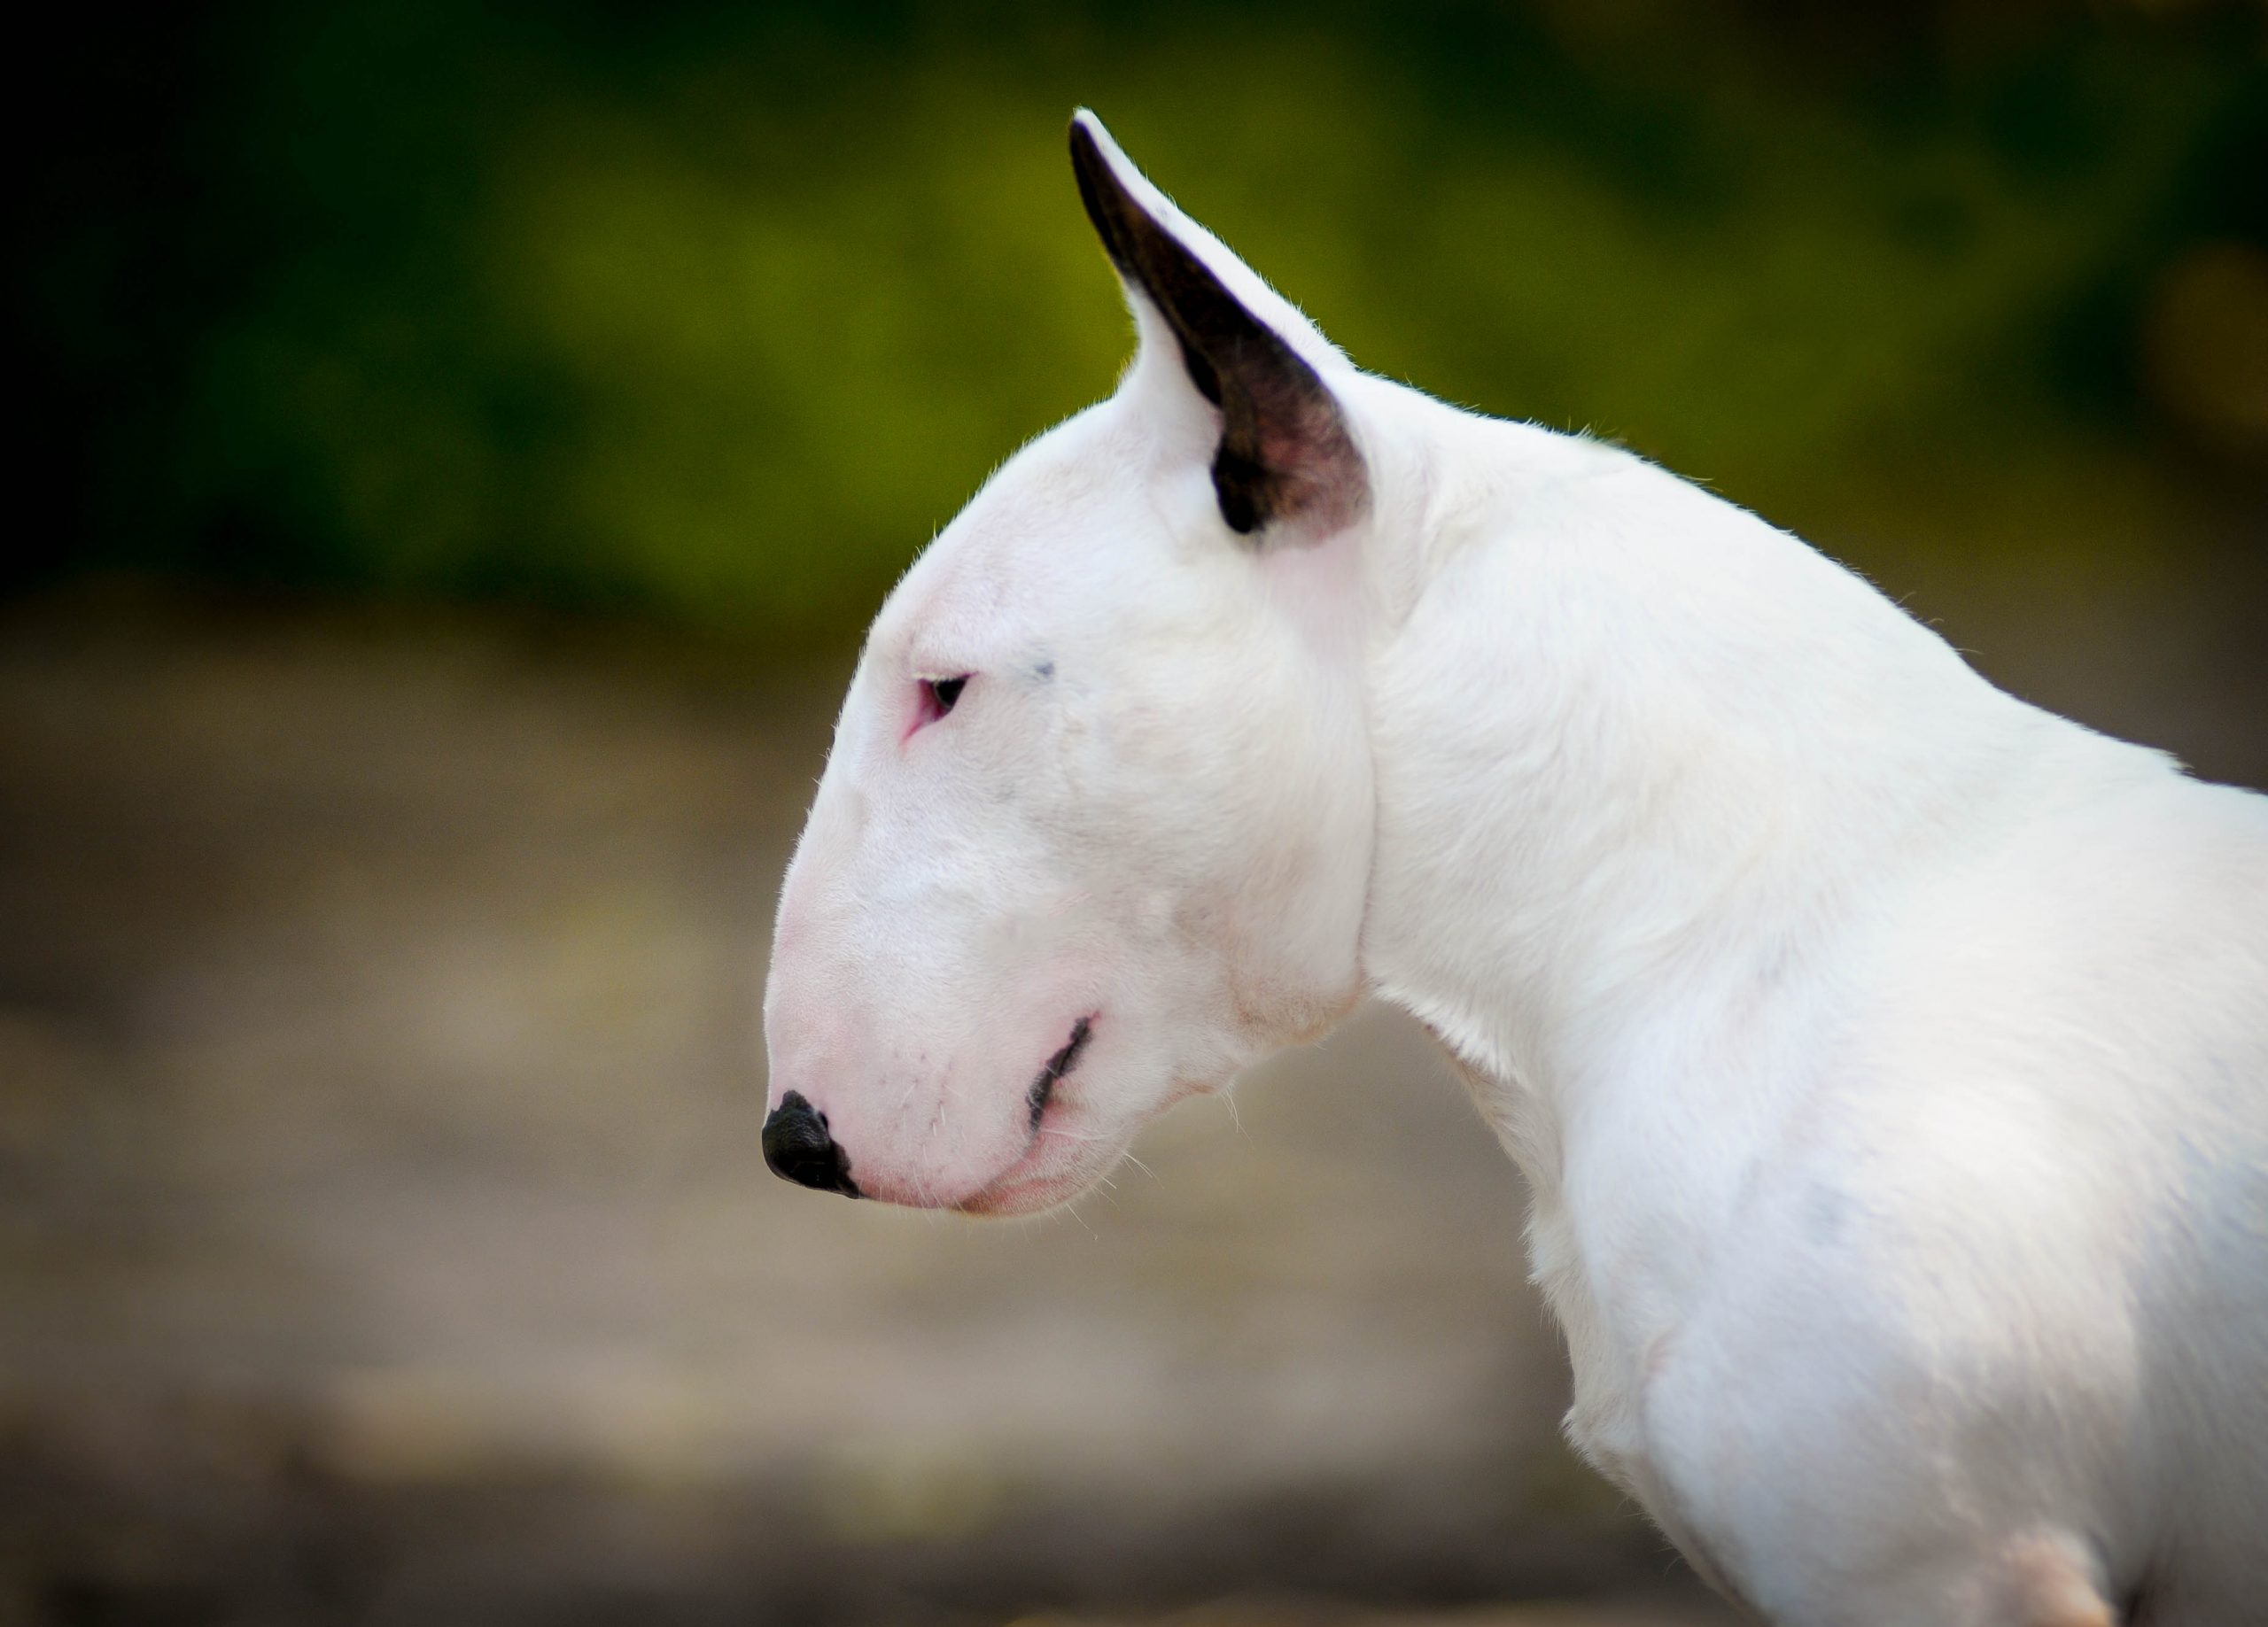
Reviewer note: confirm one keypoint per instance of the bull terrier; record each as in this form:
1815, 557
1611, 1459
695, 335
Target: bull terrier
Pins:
1887, 1058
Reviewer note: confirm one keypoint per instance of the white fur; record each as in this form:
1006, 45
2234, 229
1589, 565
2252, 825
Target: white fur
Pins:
1888, 1059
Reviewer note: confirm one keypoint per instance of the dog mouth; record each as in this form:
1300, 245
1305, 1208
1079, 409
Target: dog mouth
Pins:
1033, 1174
1043, 1087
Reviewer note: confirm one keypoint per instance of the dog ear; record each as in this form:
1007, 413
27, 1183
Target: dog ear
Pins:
1285, 452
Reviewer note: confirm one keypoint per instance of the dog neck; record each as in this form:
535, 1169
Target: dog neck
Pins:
1645, 768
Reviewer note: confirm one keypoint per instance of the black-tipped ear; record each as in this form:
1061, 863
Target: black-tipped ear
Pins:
1285, 452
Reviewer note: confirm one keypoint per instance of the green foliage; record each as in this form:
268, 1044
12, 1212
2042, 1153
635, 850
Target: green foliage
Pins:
721, 312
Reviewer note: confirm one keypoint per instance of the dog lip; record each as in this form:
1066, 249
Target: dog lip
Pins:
1024, 1173
1042, 1089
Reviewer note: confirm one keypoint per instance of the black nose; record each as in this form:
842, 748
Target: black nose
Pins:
798, 1148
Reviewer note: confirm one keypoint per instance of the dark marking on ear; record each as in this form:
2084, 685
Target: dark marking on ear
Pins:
1285, 451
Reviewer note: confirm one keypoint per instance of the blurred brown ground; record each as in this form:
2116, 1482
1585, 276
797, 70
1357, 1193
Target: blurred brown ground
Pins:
383, 1237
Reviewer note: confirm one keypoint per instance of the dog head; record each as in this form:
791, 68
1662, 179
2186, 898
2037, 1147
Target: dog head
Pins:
1095, 829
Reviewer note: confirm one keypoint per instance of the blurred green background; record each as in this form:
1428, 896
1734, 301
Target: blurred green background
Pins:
462, 445
715, 311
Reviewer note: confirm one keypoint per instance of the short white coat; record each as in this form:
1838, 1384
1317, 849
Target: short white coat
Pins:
1888, 1059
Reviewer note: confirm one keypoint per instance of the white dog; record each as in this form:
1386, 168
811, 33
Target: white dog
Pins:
1888, 1059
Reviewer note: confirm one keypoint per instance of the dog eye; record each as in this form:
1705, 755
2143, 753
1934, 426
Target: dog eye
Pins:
933, 698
